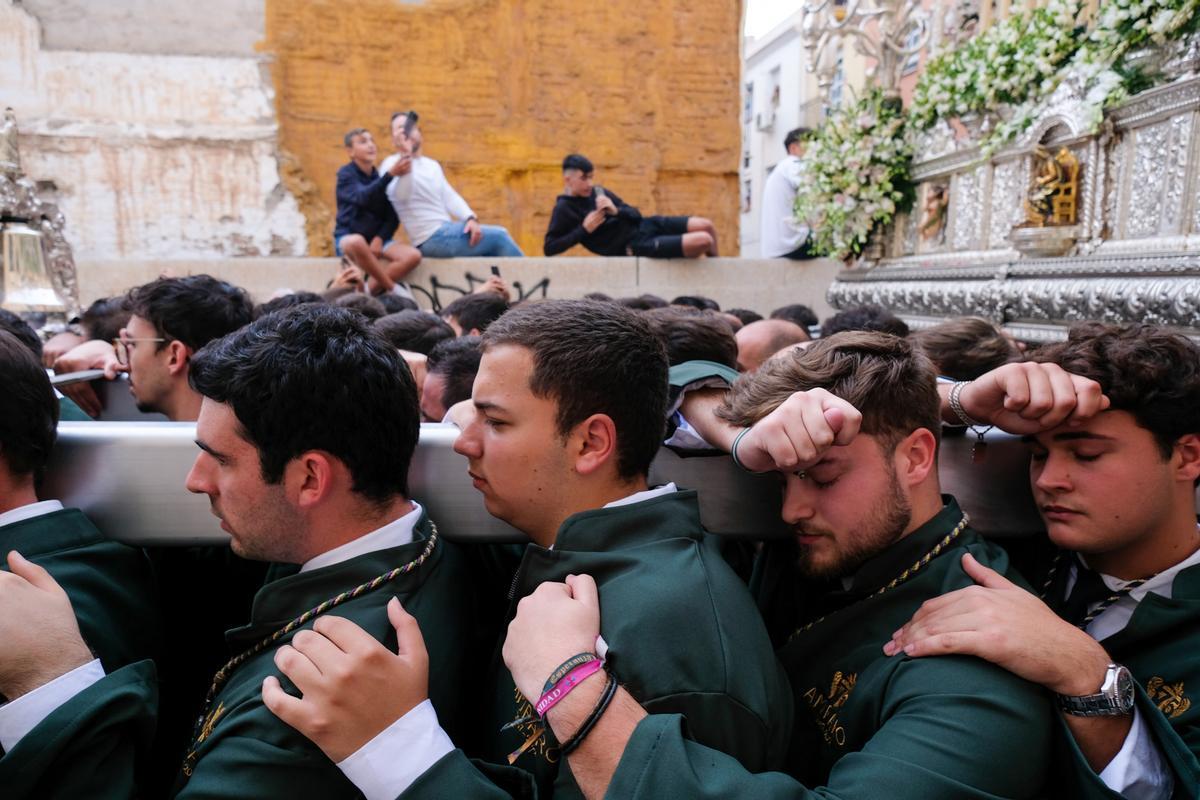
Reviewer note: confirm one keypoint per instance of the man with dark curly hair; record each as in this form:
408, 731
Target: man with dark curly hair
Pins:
1116, 632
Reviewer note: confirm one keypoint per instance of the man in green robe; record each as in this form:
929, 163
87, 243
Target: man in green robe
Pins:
874, 540
307, 427
109, 584
1118, 633
568, 413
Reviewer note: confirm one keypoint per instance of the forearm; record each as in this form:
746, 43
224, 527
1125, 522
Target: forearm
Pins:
699, 408
595, 761
1099, 738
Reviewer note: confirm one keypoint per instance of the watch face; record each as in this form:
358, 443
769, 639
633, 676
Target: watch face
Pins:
1126, 691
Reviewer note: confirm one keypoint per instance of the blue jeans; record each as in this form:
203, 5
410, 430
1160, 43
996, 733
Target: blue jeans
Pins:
449, 241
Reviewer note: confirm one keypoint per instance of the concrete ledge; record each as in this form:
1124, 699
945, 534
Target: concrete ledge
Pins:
758, 284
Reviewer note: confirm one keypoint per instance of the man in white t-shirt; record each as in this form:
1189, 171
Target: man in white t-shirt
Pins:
439, 222
780, 235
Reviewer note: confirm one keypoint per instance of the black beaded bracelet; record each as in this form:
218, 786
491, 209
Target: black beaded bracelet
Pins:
610, 690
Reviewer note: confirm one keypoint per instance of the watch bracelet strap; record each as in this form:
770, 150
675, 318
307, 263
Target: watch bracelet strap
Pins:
1092, 705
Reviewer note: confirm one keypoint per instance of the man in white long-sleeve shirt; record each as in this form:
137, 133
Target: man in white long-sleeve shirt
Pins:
780, 236
438, 220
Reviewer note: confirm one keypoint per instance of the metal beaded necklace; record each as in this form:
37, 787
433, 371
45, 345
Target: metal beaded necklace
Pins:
205, 724
917, 566
1105, 604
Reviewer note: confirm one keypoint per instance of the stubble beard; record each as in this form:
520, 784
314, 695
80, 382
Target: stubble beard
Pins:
878, 533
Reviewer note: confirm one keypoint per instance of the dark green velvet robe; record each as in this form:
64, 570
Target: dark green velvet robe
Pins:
868, 725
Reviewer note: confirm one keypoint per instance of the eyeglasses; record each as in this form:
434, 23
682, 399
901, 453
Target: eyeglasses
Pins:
123, 346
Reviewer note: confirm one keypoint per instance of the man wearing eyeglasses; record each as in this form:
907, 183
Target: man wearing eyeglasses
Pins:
172, 319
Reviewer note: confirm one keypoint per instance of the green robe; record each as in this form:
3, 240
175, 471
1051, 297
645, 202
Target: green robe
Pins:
869, 725
683, 636
111, 585
1161, 647
246, 751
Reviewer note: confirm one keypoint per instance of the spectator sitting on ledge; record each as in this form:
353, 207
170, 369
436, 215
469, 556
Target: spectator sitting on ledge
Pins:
603, 223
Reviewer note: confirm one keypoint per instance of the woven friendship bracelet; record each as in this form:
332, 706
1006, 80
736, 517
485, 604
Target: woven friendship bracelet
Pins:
231, 666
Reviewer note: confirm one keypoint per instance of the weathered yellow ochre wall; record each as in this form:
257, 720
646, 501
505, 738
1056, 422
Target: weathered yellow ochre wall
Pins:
648, 89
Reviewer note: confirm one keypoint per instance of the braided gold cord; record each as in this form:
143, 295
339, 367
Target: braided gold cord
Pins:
225, 672
920, 564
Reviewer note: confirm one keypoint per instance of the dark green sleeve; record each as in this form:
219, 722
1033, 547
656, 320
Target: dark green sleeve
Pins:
91, 746
246, 766
1178, 748
455, 775
729, 726
689, 372
941, 736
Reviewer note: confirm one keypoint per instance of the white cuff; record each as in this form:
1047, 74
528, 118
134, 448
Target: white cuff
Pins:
22, 715
1138, 770
686, 437
386, 766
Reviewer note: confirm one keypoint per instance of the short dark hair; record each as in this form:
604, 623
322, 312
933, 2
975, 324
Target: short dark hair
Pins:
416, 331
965, 348
745, 315
368, 306
576, 161
696, 301
194, 309
415, 116
348, 139
104, 318
22, 330
798, 313
476, 311
595, 358
692, 335
801, 134
28, 409
457, 361
885, 377
601, 296
286, 301
864, 318
1148, 371
315, 377
643, 302
393, 302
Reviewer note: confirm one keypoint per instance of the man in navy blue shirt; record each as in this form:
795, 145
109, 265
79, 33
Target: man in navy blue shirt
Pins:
366, 220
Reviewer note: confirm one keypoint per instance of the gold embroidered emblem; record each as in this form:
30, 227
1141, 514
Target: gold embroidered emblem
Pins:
529, 730
206, 729
825, 704
1169, 697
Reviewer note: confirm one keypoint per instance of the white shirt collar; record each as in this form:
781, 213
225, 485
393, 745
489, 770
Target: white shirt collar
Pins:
1114, 618
396, 533
29, 511
638, 497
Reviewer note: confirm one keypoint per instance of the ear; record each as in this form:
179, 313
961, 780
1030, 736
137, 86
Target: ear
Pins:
474, 332
178, 355
594, 444
1188, 450
916, 456
309, 478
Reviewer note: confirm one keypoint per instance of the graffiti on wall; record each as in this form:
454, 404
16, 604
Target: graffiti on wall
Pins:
440, 293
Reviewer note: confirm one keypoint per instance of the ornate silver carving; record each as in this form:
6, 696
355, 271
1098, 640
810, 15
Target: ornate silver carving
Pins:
1008, 183
1146, 187
966, 215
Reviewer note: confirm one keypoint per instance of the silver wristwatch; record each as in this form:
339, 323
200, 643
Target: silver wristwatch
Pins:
1115, 697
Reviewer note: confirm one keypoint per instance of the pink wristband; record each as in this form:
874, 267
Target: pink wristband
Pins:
564, 687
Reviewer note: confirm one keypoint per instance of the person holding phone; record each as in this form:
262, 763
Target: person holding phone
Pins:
595, 217
438, 220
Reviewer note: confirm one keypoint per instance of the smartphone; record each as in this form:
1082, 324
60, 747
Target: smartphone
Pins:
496, 270
600, 192
410, 121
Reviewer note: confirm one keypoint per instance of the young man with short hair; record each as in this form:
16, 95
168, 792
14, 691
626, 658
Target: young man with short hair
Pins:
366, 221
780, 236
569, 406
1116, 632
450, 373
439, 222
471, 314
297, 479
603, 223
852, 425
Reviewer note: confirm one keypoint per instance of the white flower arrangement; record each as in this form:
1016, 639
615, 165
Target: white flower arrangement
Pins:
857, 175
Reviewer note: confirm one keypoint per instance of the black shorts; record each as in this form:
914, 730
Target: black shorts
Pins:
659, 237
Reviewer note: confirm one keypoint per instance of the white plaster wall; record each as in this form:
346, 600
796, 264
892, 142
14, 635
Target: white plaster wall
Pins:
150, 156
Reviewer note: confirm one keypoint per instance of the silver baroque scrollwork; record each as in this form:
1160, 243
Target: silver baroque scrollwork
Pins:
1146, 189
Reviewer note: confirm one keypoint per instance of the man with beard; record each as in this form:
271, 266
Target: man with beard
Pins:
874, 539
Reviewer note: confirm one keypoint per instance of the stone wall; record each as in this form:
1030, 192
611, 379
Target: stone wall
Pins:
648, 89
148, 152
757, 284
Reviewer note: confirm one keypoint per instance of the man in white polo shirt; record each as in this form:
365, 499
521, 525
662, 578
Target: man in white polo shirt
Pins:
439, 222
